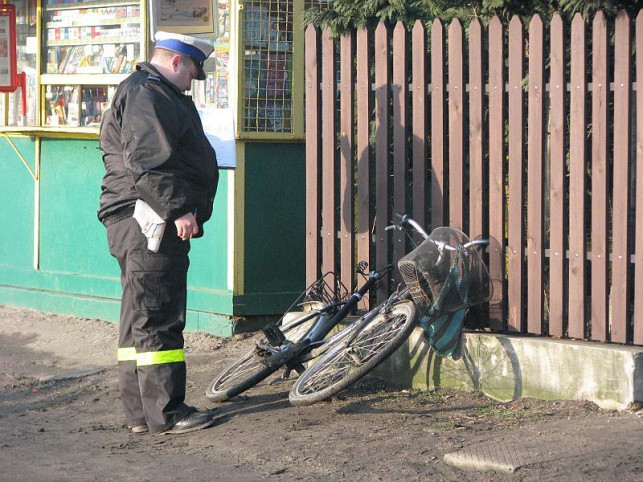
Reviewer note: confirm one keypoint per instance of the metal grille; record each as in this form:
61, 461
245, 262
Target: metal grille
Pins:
267, 66
317, 4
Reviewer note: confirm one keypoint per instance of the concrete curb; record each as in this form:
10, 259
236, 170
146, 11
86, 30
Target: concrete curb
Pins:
506, 367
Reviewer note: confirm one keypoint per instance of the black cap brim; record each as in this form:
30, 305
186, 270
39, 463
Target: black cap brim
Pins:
200, 73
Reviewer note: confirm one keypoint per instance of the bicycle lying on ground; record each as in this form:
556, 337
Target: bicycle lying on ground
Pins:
445, 273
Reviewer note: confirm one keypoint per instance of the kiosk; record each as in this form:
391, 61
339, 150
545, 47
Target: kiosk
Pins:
72, 56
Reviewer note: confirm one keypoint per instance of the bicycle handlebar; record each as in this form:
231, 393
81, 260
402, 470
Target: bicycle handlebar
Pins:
475, 242
406, 221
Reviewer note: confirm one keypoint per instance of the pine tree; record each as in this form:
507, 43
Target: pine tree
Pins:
340, 16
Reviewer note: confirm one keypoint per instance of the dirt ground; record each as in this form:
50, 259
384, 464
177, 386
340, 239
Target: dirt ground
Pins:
60, 419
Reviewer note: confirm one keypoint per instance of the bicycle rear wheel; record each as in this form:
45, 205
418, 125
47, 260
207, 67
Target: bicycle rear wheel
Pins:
247, 371
341, 365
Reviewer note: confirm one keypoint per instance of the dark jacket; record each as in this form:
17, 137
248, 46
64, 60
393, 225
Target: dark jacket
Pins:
154, 149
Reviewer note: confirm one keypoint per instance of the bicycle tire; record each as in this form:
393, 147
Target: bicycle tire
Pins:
246, 372
336, 369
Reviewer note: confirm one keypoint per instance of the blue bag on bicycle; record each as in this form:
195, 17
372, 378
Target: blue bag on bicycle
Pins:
444, 333
443, 327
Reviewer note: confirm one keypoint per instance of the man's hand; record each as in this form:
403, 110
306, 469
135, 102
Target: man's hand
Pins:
186, 226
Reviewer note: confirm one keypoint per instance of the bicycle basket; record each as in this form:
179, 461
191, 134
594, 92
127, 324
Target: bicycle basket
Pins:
326, 290
444, 274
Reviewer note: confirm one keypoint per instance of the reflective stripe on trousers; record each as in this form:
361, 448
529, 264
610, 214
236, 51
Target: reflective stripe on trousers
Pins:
126, 354
151, 357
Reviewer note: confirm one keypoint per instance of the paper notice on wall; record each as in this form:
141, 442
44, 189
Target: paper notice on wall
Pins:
5, 52
218, 125
31, 46
109, 50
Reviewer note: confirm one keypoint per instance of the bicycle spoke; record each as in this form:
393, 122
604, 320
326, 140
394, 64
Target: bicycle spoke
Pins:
250, 366
247, 371
363, 348
327, 377
376, 338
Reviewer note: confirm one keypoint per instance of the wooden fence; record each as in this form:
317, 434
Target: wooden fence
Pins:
531, 135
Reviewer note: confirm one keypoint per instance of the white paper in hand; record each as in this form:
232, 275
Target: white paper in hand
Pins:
152, 225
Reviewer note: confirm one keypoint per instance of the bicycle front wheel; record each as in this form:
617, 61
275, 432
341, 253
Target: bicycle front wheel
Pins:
342, 365
247, 371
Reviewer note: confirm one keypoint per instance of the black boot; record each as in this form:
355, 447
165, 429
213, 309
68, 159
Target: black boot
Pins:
195, 420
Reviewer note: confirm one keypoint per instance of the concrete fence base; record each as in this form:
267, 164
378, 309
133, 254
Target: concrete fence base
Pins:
508, 367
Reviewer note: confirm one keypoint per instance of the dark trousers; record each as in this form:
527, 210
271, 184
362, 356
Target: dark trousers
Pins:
152, 373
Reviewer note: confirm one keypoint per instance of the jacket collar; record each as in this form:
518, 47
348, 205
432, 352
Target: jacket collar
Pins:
150, 69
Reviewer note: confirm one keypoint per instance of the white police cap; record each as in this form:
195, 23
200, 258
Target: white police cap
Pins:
196, 49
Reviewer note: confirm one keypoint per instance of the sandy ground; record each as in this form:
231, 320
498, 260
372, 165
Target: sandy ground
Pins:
60, 419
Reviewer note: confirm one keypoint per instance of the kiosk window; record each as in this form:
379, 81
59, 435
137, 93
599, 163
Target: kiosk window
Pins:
76, 106
267, 66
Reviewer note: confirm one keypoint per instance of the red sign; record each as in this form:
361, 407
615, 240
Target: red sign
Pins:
8, 60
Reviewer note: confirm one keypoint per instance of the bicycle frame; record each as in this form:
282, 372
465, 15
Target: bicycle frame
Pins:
302, 351
292, 341
398, 295
325, 323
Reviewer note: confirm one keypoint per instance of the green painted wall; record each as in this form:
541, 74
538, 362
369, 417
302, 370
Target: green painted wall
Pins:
72, 239
77, 275
275, 227
17, 201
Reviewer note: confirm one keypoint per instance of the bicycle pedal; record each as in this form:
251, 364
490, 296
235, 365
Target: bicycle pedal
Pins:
260, 352
299, 368
279, 359
273, 334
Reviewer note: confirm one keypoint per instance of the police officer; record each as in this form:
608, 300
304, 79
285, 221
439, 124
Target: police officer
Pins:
155, 150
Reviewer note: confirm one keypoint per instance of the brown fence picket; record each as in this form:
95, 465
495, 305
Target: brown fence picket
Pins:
557, 176
535, 172
313, 224
456, 121
363, 112
419, 139
600, 253
515, 206
577, 135
476, 92
381, 152
497, 168
399, 90
621, 171
437, 124
346, 239
530, 184
638, 278
328, 152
